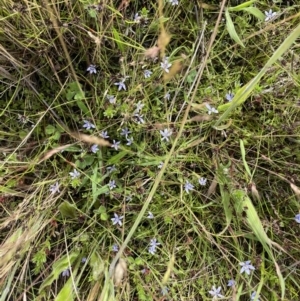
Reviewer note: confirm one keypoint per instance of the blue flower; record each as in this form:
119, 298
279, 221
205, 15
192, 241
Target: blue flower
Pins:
104, 134
150, 215
74, 174
121, 85
115, 144
229, 96
125, 132
166, 133
54, 188
164, 291
139, 107
147, 73
269, 15
202, 181
92, 69
115, 248
167, 96
211, 109
117, 220
83, 260
88, 125
253, 296
94, 148
297, 218
129, 141
66, 273
246, 267
231, 282
111, 169
112, 99
188, 186
165, 64
112, 184
153, 245
215, 292
140, 118
137, 18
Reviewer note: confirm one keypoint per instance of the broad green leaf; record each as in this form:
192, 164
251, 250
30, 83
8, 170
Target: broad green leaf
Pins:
255, 12
50, 129
242, 6
97, 265
66, 293
68, 210
118, 39
116, 158
231, 29
244, 92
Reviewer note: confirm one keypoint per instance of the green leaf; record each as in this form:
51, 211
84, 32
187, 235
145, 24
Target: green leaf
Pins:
66, 293
97, 265
243, 152
68, 210
242, 6
117, 39
255, 12
50, 129
231, 29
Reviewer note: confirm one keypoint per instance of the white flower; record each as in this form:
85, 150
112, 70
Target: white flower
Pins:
253, 295
125, 132
112, 99
150, 215
115, 248
166, 133
112, 184
246, 267
104, 134
173, 2
211, 109
269, 15
88, 125
111, 169
165, 64
188, 186
167, 96
160, 165
129, 141
202, 181
117, 219
140, 118
121, 85
147, 73
94, 148
139, 106
231, 282
229, 96
215, 292
137, 18
74, 174
115, 144
54, 188
153, 245
92, 69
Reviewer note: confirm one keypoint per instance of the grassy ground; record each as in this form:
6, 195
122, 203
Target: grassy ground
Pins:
128, 172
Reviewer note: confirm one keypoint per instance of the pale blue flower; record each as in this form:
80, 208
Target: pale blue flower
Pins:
188, 186
121, 85
150, 215
229, 96
140, 118
297, 218
215, 292
125, 132
167, 96
129, 141
88, 125
112, 99
92, 69
153, 245
112, 184
147, 73
94, 148
74, 174
165, 64
246, 267
137, 18
104, 134
253, 296
166, 133
269, 15
115, 144
111, 169
54, 188
231, 283
117, 220
160, 165
139, 106
164, 291
66, 273
115, 248
83, 260
211, 109
202, 181
173, 2
128, 198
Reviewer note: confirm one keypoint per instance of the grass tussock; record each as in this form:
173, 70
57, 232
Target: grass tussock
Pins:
149, 150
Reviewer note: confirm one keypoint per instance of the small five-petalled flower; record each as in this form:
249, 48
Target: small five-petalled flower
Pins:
165, 64
117, 220
297, 218
211, 109
74, 174
246, 267
92, 69
153, 245
215, 292
121, 85
54, 188
188, 186
166, 133
88, 125
202, 181
269, 15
